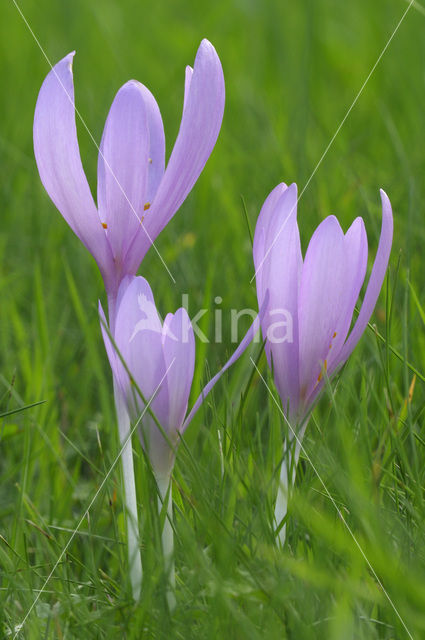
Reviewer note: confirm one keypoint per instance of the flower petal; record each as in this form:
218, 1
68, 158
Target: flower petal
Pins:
322, 294
123, 168
141, 240
156, 143
147, 366
138, 336
355, 243
200, 125
375, 281
179, 356
264, 221
59, 164
278, 263
136, 311
187, 81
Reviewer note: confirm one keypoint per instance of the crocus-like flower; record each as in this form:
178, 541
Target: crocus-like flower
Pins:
160, 357
311, 302
153, 363
136, 197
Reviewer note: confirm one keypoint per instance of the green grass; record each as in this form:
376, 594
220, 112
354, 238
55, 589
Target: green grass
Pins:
292, 69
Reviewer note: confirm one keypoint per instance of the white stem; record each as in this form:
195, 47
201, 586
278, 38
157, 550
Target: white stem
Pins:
134, 556
286, 481
167, 537
130, 500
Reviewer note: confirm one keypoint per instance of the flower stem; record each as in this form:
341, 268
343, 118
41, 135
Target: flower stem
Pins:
167, 538
129, 484
134, 556
286, 481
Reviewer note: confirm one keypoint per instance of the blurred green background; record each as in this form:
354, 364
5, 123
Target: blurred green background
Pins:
292, 71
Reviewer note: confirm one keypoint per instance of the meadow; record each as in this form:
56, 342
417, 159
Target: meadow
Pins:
292, 72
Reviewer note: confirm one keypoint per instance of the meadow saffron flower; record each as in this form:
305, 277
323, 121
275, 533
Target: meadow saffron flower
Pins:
136, 196
153, 364
310, 305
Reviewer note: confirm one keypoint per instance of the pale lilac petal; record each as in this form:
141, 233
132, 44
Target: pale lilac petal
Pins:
123, 169
136, 310
156, 144
135, 313
124, 284
179, 356
148, 369
247, 339
355, 246
145, 360
262, 226
142, 240
322, 294
187, 81
278, 263
200, 125
138, 337
59, 164
136, 159
375, 281
116, 359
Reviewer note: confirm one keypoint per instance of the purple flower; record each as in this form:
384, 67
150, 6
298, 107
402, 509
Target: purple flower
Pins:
153, 387
160, 357
136, 197
311, 302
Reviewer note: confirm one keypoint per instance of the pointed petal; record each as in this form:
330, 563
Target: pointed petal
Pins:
200, 125
138, 337
145, 359
278, 263
376, 279
179, 356
156, 143
59, 164
141, 240
247, 339
187, 81
264, 221
355, 247
322, 294
124, 284
123, 168
136, 311
139, 343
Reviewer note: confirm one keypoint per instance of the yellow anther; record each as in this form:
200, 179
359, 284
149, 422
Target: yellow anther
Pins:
334, 336
325, 367
104, 225
146, 207
150, 160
